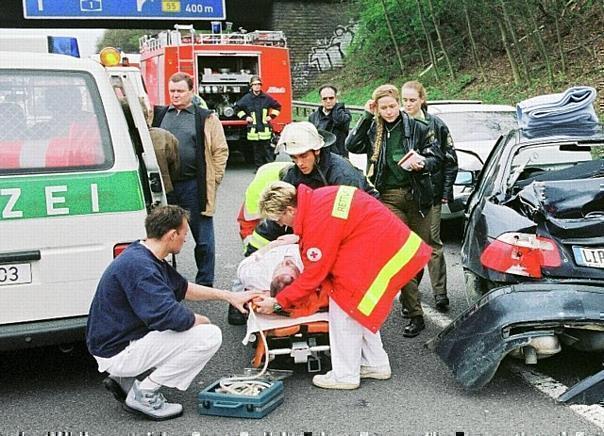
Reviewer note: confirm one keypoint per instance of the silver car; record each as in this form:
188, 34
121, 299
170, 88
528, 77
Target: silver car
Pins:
474, 127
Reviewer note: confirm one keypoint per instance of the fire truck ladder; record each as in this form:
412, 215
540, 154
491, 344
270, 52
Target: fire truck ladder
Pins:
185, 64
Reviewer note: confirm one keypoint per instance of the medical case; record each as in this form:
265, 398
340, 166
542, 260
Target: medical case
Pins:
211, 402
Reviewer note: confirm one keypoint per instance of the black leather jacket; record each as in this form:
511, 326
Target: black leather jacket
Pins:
331, 169
336, 122
444, 176
419, 137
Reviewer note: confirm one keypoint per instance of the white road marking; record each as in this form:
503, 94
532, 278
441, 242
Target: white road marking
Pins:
541, 382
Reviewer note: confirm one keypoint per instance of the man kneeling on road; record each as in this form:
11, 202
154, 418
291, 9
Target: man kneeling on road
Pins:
365, 251
137, 322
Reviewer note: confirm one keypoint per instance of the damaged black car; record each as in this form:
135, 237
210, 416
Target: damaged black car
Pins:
533, 255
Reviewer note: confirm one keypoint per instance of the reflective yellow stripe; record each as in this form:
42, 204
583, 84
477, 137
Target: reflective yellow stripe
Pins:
266, 174
343, 201
241, 114
258, 241
264, 114
392, 267
252, 135
265, 134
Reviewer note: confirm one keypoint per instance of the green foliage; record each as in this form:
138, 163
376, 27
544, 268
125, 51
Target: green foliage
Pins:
543, 32
124, 39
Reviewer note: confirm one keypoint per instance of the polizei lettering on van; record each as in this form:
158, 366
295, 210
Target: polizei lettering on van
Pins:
78, 194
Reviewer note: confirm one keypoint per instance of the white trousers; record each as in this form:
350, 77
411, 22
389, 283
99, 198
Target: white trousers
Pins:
352, 345
176, 356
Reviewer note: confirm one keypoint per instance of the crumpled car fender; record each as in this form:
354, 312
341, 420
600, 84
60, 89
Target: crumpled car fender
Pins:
475, 343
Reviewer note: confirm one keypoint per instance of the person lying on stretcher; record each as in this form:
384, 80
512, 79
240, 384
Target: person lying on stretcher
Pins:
276, 266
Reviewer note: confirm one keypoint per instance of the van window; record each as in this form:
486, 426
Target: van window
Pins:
51, 122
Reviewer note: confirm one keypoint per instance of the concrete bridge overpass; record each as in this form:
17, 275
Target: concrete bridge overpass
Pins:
318, 31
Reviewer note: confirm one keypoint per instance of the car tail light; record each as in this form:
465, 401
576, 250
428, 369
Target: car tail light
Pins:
521, 254
118, 248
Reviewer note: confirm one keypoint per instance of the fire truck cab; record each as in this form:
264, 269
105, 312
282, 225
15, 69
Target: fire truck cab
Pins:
222, 65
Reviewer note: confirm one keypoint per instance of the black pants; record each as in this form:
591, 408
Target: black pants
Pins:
263, 152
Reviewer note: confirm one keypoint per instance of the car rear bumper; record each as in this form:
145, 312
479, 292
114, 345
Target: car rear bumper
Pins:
509, 318
42, 333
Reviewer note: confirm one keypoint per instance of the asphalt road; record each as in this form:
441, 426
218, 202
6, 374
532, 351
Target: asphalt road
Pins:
47, 390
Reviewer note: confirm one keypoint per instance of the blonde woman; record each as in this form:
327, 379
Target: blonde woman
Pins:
414, 104
401, 154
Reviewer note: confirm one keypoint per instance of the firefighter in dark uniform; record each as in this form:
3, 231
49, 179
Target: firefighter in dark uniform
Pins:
258, 109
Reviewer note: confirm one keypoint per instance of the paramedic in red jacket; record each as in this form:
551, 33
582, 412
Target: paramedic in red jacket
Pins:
365, 251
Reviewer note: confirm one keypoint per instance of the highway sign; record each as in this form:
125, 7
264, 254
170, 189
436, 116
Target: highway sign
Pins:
125, 9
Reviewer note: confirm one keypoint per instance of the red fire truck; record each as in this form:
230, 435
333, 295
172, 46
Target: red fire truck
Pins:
222, 64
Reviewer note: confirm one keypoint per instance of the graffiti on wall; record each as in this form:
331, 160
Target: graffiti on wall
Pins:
301, 73
330, 52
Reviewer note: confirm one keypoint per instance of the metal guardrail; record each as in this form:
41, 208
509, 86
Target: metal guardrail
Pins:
302, 109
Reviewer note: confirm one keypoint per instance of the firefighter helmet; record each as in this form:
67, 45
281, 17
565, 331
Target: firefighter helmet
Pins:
255, 79
302, 136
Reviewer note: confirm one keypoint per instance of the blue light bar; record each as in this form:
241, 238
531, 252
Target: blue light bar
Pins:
66, 45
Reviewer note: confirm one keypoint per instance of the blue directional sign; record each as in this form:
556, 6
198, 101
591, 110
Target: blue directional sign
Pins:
125, 9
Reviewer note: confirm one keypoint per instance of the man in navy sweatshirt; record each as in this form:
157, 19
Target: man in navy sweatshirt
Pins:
137, 322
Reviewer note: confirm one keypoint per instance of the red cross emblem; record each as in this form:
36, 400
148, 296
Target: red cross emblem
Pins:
314, 254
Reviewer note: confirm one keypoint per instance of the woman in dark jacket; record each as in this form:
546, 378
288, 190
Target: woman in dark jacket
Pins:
414, 104
388, 135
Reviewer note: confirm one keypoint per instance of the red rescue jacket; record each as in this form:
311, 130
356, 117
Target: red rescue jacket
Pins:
353, 240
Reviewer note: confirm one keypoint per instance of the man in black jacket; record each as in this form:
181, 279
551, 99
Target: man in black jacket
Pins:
332, 117
258, 109
314, 166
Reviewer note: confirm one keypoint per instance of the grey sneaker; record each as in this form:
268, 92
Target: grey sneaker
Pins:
150, 404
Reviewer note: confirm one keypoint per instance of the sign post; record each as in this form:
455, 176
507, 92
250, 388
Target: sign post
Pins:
125, 9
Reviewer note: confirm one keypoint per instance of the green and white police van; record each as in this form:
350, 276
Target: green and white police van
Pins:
75, 186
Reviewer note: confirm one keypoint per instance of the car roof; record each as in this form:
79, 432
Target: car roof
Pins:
436, 108
47, 61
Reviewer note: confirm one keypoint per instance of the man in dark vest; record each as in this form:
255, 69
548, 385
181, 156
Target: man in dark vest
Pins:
203, 154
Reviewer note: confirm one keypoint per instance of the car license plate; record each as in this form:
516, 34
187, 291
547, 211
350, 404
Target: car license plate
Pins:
593, 257
15, 273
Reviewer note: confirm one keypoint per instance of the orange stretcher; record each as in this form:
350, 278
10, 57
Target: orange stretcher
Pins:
305, 341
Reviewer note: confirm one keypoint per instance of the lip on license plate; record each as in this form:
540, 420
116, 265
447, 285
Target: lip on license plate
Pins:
593, 257
15, 273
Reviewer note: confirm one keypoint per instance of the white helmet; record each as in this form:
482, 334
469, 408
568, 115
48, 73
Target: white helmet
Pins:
302, 136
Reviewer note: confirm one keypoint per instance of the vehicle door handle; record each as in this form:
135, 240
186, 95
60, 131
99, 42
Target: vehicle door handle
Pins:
20, 256
155, 182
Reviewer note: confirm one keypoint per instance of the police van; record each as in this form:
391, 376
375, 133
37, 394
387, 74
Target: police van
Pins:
76, 183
